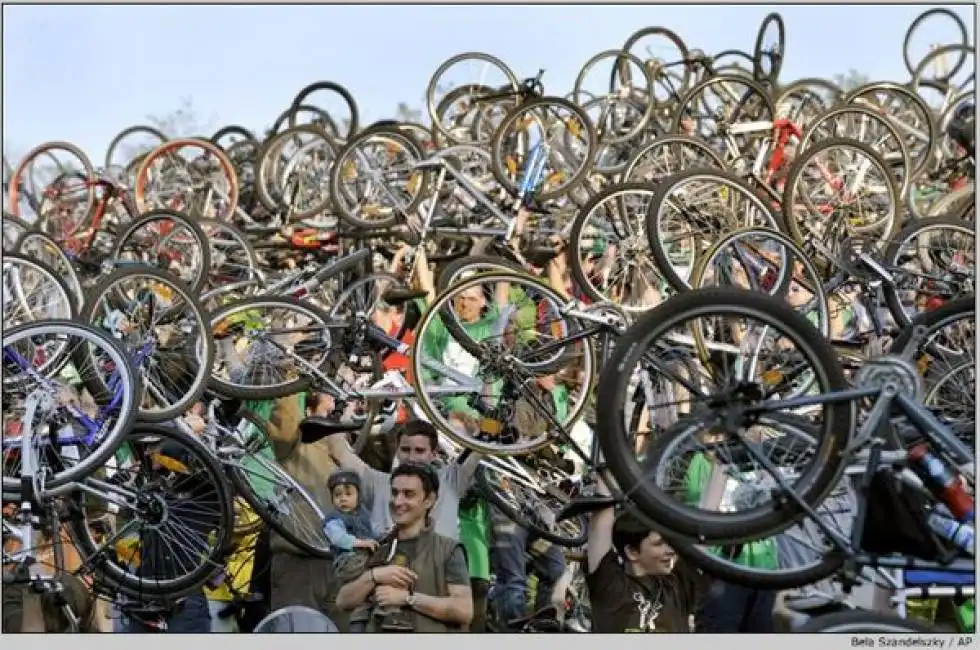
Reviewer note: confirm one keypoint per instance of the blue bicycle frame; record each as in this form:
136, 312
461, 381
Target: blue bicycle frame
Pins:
93, 427
533, 172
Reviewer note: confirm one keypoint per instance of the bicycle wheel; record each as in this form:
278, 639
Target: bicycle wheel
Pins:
165, 330
42, 248
168, 240
211, 167
862, 621
176, 516
353, 122
920, 19
690, 210
133, 152
267, 347
22, 178
608, 249
932, 261
945, 359
532, 306
665, 327
766, 63
669, 155
490, 376
279, 500
473, 92
33, 356
533, 506
840, 188
769, 262
803, 554
872, 129
374, 181
33, 291
566, 134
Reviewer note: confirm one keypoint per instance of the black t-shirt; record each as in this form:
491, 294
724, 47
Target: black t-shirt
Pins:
623, 603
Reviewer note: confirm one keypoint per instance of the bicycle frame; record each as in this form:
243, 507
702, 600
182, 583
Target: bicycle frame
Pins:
888, 400
94, 428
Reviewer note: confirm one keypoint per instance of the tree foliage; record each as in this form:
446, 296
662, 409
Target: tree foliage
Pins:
183, 122
852, 80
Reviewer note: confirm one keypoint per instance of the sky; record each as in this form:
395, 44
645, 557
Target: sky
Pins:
84, 73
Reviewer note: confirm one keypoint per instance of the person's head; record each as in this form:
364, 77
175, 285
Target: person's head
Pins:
417, 442
647, 553
469, 304
414, 490
345, 489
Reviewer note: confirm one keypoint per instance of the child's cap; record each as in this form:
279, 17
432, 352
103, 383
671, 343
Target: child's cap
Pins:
344, 477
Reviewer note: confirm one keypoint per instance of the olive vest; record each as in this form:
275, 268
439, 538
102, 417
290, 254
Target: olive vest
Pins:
432, 552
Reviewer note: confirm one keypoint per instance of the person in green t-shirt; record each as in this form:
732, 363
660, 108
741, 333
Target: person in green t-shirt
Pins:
729, 608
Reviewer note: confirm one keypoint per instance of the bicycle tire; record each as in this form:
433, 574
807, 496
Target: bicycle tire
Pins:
745, 576
337, 190
484, 485
895, 247
127, 406
133, 586
757, 54
429, 407
291, 387
13, 197
933, 320
51, 275
964, 40
63, 266
179, 219
546, 366
575, 251
228, 169
497, 143
808, 142
710, 527
354, 123
658, 247
863, 621
679, 141
781, 286
792, 225
921, 159
432, 88
205, 346
233, 129
265, 512
156, 133
623, 70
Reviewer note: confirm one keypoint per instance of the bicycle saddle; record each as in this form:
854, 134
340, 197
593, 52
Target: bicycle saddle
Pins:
583, 505
543, 620
399, 296
313, 429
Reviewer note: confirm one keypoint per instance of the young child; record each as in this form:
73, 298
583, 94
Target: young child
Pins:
348, 527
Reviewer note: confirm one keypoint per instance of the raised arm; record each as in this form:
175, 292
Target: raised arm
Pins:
340, 448
600, 531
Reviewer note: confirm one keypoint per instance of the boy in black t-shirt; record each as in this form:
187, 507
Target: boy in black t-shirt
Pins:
635, 581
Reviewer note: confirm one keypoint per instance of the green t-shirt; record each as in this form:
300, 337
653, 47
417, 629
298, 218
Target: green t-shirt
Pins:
474, 534
760, 554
